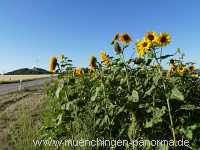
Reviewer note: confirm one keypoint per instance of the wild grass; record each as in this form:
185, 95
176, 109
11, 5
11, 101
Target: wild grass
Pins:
25, 128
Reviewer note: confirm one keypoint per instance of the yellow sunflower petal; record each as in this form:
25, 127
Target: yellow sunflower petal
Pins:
104, 57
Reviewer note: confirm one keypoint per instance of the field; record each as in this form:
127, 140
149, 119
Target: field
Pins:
17, 78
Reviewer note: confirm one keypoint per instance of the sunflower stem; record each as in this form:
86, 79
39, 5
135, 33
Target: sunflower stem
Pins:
156, 57
170, 117
160, 55
101, 72
126, 70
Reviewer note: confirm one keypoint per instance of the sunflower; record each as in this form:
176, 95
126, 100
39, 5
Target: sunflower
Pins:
163, 39
142, 47
171, 71
53, 63
104, 57
181, 69
125, 38
78, 72
62, 58
151, 37
193, 75
92, 62
117, 48
91, 70
191, 69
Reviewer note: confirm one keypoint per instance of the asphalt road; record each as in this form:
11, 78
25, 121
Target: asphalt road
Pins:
13, 87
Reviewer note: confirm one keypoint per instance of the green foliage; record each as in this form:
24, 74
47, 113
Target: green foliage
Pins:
129, 100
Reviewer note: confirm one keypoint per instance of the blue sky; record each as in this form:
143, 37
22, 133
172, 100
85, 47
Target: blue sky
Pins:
31, 31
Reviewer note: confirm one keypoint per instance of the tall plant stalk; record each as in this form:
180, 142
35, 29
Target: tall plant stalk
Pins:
126, 70
170, 117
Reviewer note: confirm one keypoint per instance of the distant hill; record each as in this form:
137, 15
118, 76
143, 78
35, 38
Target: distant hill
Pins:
27, 71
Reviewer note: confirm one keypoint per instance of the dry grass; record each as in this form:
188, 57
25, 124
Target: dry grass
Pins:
16, 78
20, 118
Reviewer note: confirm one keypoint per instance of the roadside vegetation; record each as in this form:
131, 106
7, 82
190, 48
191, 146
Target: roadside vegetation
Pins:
126, 98
21, 118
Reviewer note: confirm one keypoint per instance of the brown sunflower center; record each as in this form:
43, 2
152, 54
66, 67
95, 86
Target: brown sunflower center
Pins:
173, 69
150, 37
191, 68
181, 68
126, 37
145, 44
163, 39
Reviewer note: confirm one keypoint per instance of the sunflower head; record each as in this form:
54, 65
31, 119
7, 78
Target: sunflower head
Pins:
104, 57
163, 39
62, 58
191, 69
92, 62
53, 63
78, 72
125, 38
181, 70
142, 47
171, 71
151, 37
117, 48
91, 70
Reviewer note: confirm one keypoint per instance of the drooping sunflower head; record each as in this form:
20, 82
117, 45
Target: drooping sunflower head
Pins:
92, 62
78, 72
142, 47
117, 48
53, 63
191, 69
163, 39
171, 71
104, 57
151, 37
125, 38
